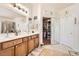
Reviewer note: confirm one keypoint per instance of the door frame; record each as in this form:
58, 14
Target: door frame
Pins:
42, 28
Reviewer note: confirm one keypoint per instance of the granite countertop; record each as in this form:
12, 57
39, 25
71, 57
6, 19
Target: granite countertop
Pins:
11, 36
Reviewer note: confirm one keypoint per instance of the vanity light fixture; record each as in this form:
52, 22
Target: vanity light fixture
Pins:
14, 5
18, 7
23, 10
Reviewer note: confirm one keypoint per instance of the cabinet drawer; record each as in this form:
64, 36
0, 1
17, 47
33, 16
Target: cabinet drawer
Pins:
25, 39
7, 44
30, 37
17, 41
34, 36
7, 52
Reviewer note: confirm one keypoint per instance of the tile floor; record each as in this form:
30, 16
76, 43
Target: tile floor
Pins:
54, 50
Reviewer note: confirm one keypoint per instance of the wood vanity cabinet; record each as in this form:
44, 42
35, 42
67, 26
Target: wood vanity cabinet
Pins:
20, 49
30, 44
19, 46
7, 52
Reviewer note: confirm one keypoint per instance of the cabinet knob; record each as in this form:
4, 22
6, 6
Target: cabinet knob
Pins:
16, 46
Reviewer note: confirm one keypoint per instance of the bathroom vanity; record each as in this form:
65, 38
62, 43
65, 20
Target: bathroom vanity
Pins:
15, 37
19, 45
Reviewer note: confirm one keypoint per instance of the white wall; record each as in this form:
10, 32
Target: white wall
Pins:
48, 11
55, 30
68, 30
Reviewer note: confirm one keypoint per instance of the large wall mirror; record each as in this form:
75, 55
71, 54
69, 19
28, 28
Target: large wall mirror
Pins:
8, 27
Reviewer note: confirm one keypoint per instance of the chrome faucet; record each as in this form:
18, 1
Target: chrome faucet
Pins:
16, 33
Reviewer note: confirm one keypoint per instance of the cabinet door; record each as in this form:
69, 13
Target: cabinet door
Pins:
36, 42
20, 49
30, 45
0, 46
7, 52
26, 45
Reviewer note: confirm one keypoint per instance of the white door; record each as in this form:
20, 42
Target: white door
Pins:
66, 31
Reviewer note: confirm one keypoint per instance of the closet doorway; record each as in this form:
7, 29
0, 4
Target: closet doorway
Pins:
46, 30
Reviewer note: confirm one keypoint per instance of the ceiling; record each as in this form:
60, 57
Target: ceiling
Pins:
57, 6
